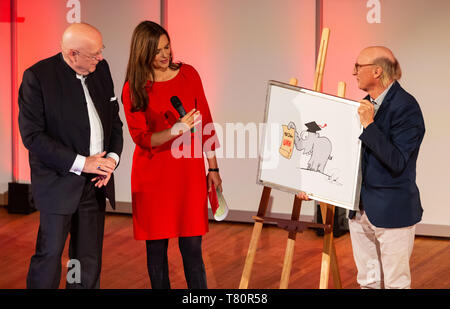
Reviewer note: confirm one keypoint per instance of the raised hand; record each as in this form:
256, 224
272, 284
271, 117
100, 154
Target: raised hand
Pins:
366, 113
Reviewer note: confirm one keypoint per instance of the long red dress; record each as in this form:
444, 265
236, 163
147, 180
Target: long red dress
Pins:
169, 192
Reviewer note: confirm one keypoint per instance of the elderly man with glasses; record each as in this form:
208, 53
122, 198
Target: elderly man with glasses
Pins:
382, 232
69, 122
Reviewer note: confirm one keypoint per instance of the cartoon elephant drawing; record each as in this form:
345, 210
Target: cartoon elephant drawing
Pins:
313, 144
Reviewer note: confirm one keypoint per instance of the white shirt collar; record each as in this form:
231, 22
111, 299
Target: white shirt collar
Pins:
81, 77
381, 97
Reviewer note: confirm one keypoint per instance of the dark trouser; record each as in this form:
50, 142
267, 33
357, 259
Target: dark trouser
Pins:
191, 251
86, 228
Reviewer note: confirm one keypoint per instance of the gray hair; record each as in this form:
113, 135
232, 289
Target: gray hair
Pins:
391, 70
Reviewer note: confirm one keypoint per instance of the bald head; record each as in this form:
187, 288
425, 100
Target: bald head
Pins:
377, 69
374, 52
79, 36
82, 47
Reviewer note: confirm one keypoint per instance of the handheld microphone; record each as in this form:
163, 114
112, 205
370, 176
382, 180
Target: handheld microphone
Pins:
176, 103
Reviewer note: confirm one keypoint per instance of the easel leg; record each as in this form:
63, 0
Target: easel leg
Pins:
246, 273
329, 259
251, 255
289, 254
327, 218
335, 268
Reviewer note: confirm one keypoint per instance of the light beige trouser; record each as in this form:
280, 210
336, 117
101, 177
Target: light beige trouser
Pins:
381, 254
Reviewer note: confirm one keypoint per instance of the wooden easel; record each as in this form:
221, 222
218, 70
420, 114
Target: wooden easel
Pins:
294, 226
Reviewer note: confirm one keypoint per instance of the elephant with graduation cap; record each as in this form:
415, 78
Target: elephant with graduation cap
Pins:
318, 147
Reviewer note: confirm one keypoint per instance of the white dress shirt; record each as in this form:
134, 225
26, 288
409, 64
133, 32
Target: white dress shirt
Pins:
96, 138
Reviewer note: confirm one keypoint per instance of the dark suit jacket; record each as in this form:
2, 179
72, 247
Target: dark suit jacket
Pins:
54, 125
391, 143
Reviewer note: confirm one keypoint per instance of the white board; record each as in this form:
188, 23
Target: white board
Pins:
321, 159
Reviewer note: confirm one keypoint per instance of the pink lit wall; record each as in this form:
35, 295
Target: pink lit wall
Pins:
38, 37
5, 95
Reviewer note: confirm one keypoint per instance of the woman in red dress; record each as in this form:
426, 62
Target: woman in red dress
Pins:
168, 182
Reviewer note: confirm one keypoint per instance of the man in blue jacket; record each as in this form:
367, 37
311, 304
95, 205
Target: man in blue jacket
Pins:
382, 233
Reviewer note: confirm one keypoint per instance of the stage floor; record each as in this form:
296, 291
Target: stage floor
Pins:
224, 251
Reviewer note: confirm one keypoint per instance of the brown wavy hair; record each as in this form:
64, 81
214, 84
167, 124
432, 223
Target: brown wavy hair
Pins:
144, 44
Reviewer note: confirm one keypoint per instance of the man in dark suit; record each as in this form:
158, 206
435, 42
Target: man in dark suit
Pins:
382, 233
69, 122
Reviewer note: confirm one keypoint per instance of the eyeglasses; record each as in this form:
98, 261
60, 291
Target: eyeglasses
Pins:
96, 57
359, 66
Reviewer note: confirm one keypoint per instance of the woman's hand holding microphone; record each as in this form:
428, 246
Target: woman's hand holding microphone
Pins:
189, 121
